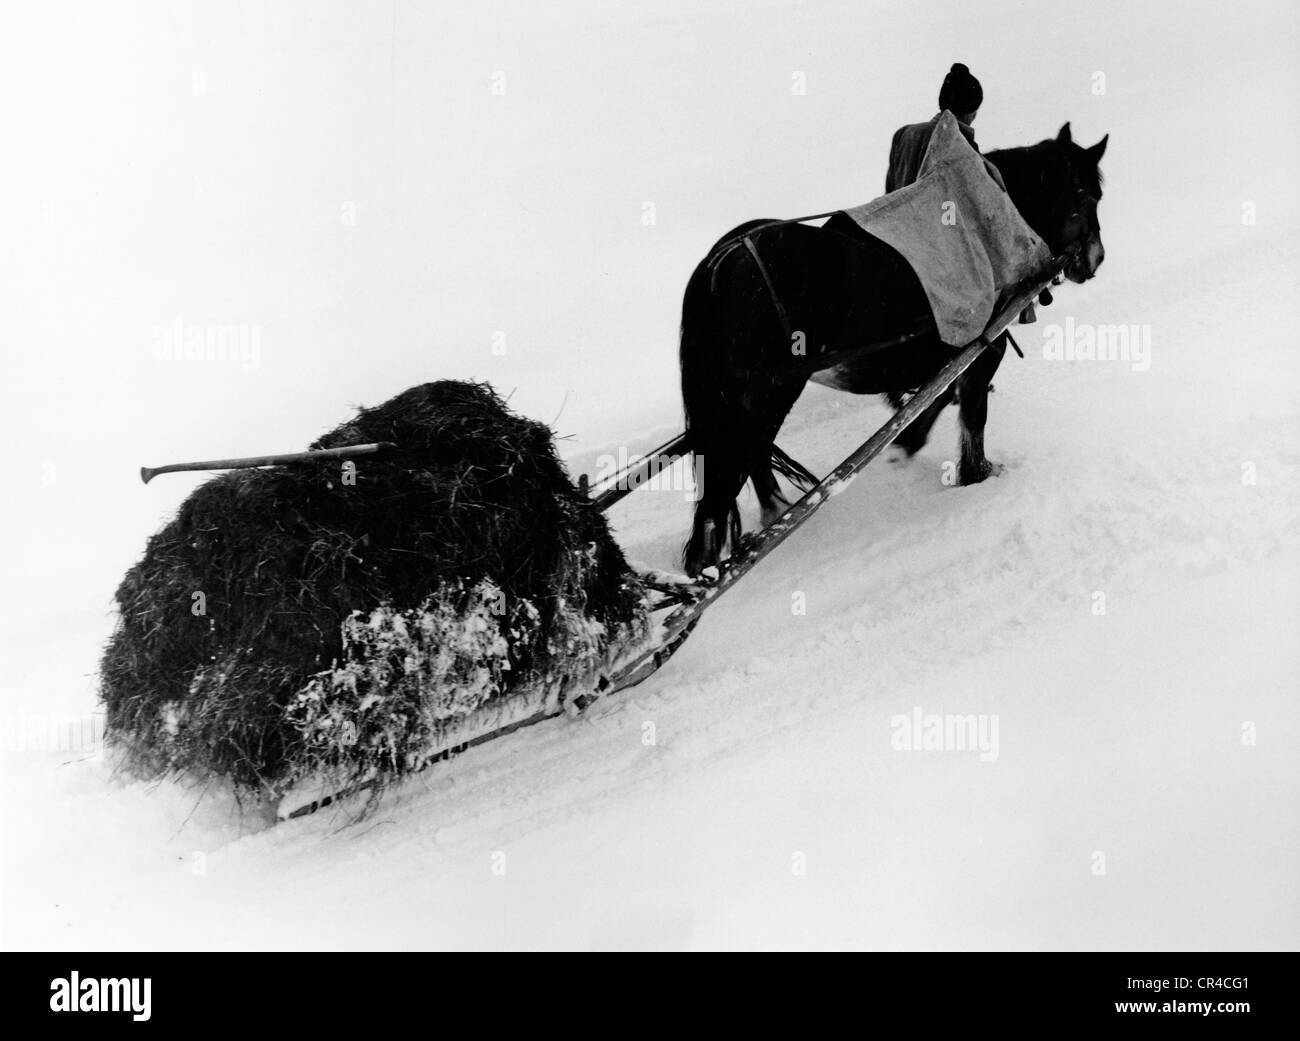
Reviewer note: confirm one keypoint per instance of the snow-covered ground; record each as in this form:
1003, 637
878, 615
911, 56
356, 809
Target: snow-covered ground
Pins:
1117, 610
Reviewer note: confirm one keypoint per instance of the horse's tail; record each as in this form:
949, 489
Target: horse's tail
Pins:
702, 391
704, 402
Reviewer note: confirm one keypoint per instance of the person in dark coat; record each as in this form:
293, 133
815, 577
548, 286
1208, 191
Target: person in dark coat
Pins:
962, 95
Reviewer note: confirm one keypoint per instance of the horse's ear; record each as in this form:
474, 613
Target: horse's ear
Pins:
1098, 150
1064, 135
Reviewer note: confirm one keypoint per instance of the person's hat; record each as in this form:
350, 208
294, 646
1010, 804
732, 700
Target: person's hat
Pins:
961, 92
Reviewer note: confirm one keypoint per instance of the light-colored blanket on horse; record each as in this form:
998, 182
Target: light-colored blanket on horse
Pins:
960, 232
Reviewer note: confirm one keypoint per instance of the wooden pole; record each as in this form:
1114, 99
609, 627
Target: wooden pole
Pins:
148, 473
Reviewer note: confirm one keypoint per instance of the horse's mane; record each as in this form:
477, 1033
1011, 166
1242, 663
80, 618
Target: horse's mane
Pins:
1047, 157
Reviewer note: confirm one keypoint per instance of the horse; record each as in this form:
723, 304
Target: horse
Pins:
842, 288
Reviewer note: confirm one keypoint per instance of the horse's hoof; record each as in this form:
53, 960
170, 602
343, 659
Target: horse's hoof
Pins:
980, 472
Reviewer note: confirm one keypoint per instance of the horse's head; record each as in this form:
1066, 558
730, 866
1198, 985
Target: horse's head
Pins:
1071, 183
1056, 185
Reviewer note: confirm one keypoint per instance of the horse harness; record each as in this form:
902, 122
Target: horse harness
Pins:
781, 312
746, 239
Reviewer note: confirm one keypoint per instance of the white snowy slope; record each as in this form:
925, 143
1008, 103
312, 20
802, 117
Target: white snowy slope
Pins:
1120, 604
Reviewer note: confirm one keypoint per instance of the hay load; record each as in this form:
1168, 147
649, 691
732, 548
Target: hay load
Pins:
313, 621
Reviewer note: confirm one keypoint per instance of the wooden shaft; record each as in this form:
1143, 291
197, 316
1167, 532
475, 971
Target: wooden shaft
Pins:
148, 473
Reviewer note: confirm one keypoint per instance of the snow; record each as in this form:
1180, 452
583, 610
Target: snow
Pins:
1122, 600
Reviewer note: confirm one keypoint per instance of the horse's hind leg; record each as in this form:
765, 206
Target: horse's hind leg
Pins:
739, 447
973, 408
719, 475
768, 416
917, 432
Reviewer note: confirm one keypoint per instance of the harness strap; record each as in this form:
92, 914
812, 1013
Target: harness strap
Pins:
771, 289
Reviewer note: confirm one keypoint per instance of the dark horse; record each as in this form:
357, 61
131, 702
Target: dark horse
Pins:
842, 288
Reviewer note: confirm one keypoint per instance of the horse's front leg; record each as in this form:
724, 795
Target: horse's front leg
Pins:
973, 408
